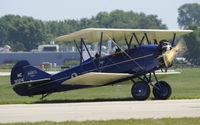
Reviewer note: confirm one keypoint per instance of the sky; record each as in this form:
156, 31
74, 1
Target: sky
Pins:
166, 10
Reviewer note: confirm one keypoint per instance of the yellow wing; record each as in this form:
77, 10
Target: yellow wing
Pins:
96, 78
94, 34
99, 78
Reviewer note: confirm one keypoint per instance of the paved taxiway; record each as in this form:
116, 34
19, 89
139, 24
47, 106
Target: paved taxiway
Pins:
99, 110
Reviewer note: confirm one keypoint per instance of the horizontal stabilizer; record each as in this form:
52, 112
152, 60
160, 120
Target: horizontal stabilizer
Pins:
33, 82
25, 88
96, 78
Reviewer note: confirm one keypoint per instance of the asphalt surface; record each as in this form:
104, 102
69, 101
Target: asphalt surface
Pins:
99, 110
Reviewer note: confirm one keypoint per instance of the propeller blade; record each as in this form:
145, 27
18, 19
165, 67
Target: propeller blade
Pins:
169, 57
180, 46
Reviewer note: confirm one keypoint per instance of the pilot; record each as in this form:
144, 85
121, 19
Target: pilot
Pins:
97, 55
117, 50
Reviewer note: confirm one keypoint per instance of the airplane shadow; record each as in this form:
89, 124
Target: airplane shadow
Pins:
85, 100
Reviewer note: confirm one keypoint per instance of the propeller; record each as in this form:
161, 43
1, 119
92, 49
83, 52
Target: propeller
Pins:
169, 56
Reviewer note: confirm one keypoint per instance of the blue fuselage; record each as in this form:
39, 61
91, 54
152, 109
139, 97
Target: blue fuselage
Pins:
137, 61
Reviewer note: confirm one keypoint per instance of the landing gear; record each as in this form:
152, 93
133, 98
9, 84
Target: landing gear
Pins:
140, 91
162, 90
44, 95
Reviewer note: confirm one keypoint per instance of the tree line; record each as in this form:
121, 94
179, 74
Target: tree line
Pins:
189, 18
24, 33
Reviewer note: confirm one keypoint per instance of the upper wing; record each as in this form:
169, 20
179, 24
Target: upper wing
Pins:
94, 34
96, 79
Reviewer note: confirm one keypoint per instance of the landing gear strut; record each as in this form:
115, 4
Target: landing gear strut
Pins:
44, 95
141, 90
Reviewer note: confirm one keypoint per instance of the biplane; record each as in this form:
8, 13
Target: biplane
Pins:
146, 51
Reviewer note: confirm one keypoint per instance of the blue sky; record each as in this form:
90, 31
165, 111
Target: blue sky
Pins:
76, 9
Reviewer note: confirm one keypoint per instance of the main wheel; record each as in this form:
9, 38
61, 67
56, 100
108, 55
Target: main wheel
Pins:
140, 91
162, 90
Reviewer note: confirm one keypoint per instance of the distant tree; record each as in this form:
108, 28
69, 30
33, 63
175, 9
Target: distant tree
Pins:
23, 32
129, 19
114, 19
3, 33
193, 45
188, 14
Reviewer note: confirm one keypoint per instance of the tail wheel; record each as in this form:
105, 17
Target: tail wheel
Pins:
140, 91
162, 90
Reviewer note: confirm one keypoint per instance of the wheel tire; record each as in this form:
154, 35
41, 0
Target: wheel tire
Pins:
164, 92
140, 91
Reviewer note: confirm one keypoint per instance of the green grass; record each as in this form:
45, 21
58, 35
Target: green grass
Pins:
185, 85
5, 70
163, 121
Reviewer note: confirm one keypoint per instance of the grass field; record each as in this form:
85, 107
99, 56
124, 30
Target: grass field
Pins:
164, 121
184, 85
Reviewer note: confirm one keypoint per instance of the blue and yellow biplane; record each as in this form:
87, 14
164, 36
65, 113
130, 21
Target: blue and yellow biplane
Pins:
147, 50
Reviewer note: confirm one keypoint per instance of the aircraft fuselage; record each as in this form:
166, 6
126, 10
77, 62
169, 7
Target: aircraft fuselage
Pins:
141, 60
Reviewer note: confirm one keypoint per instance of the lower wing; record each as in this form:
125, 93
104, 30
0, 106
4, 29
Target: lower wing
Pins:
96, 78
